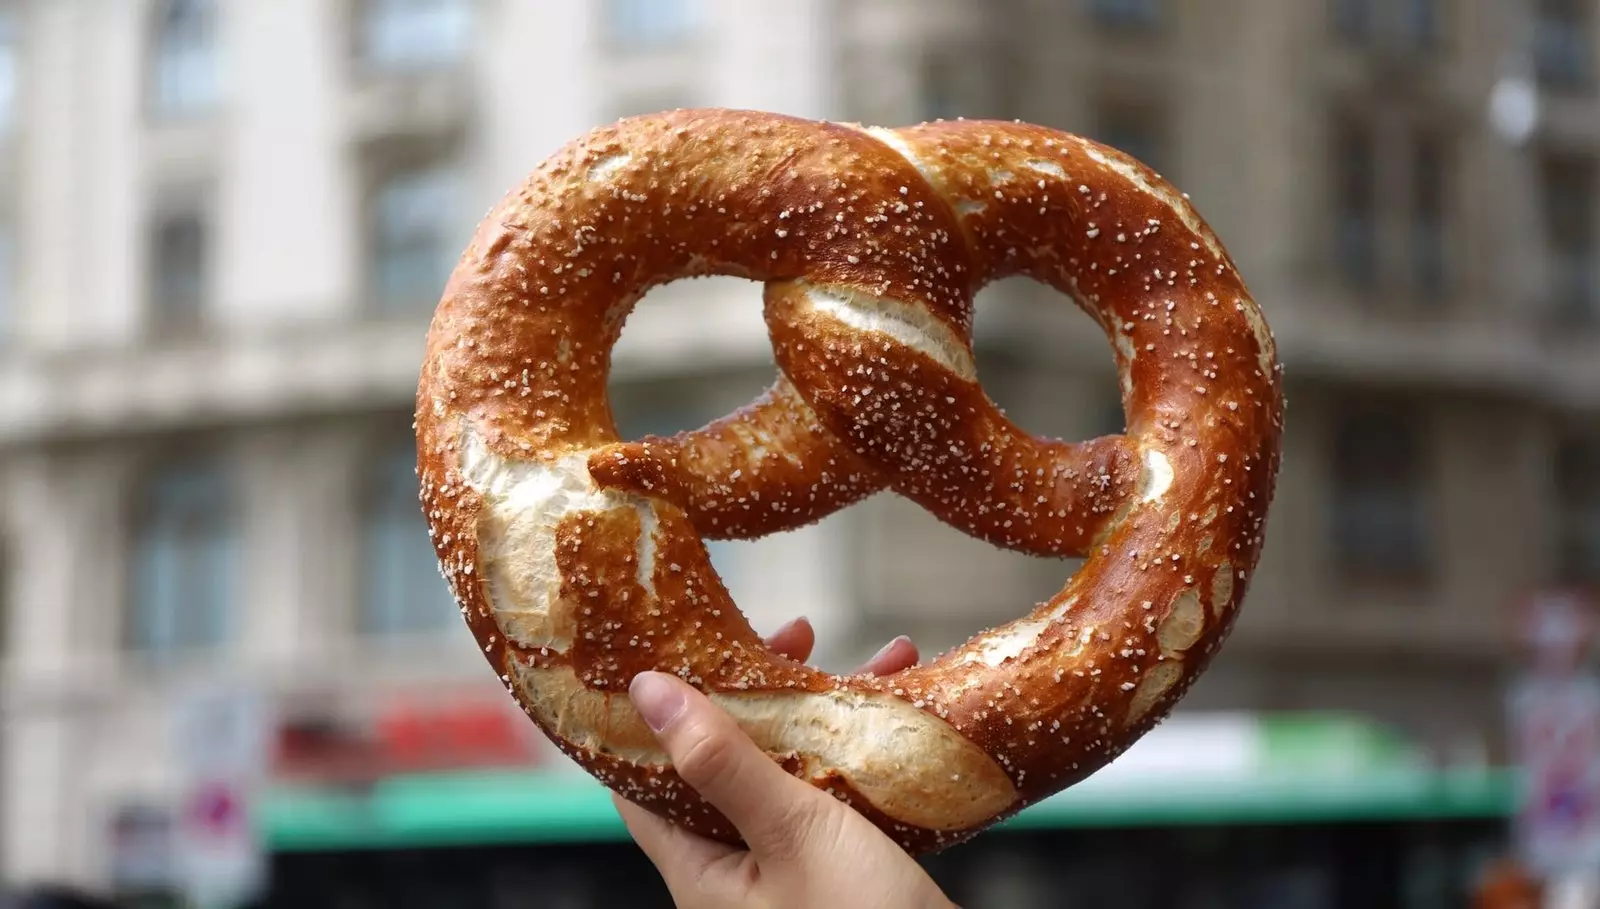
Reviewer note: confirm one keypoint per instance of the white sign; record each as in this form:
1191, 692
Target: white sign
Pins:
221, 742
1557, 628
1555, 726
141, 848
1514, 108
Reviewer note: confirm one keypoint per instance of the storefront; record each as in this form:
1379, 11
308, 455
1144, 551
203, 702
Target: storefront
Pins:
1402, 840
1236, 812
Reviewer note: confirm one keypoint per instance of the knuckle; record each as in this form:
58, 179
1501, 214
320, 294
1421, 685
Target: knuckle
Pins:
707, 754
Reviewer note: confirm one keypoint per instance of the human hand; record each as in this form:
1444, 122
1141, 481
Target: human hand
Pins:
796, 639
804, 848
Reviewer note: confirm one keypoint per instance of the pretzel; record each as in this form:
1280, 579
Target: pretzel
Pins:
577, 557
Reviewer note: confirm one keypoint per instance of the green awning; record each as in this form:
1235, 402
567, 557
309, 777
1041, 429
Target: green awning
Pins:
484, 808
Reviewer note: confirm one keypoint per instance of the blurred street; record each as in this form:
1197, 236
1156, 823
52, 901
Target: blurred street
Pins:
228, 665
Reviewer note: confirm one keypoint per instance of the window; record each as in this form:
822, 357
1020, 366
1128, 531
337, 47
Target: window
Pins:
1355, 203
402, 591
1419, 22
642, 24
1577, 491
413, 34
1569, 214
412, 248
185, 553
1563, 55
1429, 183
10, 52
1134, 129
1352, 19
1127, 13
1377, 499
179, 269
184, 77
1413, 24
1411, 208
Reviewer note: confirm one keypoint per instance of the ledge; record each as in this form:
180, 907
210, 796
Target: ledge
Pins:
340, 365
319, 367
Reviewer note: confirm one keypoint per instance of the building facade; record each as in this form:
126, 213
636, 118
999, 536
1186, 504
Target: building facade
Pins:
224, 224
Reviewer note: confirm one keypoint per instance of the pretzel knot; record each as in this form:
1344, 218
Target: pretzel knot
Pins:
577, 558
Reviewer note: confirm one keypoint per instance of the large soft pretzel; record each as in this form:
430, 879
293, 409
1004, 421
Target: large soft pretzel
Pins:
577, 558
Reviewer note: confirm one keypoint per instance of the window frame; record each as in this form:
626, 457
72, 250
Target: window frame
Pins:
1576, 546
362, 17
1390, 226
418, 301
1374, 24
1568, 183
163, 316
1380, 496
384, 506
1356, 214
172, 58
1562, 46
1430, 272
218, 540
678, 33
12, 58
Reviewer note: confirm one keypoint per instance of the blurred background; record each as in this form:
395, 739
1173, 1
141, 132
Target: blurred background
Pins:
231, 673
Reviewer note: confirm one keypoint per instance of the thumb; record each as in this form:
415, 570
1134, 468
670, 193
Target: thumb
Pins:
774, 812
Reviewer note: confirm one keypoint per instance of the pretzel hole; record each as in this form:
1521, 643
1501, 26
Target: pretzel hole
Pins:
1020, 327
689, 351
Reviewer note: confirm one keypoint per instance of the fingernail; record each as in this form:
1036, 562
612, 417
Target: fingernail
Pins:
658, 698
792, 623
887, 647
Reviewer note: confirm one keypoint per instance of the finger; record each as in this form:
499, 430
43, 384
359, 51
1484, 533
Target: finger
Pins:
678, 854
772, 810
794, 640
896, 655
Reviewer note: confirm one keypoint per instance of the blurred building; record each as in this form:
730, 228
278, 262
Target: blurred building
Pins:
1431, 282
223, 227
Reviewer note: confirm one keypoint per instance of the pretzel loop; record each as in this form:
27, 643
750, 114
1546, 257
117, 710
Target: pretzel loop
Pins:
577, 557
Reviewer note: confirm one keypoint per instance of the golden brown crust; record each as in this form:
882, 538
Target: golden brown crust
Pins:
776, 445
577, 557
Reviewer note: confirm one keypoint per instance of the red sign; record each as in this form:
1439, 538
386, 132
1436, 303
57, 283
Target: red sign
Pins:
476, 734
408, 736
